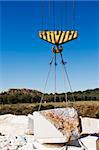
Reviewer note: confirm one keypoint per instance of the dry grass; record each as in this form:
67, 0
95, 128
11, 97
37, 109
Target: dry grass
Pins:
84, 108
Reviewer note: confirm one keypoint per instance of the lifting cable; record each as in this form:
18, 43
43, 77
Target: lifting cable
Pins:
65, 71
53, 5
73, 18
66, 13
61, 16
55, 78
42, 19
42, 97
49, 20
54, 14
64, 78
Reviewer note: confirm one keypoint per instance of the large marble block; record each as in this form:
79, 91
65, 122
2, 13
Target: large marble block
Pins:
56, 125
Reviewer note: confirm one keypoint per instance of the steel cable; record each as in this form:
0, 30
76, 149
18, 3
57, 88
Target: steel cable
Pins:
45, 84
66, 74
55, 78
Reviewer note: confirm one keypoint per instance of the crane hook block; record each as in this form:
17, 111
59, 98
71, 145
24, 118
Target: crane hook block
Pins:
58, 37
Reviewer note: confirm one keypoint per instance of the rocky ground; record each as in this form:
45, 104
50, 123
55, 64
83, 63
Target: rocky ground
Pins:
15, 134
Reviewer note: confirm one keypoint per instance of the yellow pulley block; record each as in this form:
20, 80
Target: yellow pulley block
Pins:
58, 37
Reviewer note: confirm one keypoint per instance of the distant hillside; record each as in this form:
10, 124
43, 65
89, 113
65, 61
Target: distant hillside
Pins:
14, 96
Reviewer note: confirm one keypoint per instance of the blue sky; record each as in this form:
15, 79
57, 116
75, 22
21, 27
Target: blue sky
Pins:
24, 58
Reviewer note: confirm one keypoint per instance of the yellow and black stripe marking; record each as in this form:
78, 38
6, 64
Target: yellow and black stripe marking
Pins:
58, 37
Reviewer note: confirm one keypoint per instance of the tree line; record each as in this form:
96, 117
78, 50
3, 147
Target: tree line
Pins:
14, 96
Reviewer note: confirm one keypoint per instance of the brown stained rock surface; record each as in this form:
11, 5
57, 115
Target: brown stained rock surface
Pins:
66, 120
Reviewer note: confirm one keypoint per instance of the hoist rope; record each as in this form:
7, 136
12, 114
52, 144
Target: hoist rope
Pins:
63, 14
53, 14
42, 97
73, 22
66, 14
61, 23
65, 70
65, 76
42, 16
64, 79
69, 82
55, 78
49, 20
61, 10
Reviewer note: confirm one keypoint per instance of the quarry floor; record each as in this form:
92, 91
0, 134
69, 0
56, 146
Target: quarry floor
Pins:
15, 135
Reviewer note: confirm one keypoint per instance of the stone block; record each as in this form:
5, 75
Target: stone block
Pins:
56, 125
